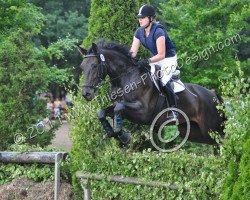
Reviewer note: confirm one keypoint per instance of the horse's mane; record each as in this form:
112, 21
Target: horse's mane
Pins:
120, 48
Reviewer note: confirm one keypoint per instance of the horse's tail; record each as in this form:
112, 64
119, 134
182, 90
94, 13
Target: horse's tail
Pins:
221, 101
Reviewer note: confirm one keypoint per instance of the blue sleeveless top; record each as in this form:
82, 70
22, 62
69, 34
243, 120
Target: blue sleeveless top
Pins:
149, 42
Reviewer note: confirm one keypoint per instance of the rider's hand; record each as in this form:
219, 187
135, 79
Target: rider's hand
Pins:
143, 62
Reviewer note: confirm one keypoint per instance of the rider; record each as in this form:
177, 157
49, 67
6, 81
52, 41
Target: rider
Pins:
154, 37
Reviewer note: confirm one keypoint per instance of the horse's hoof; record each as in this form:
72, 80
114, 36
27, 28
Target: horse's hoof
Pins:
111, 134
124, 137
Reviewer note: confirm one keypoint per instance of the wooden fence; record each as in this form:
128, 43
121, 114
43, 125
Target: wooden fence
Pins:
84, 177
37, 157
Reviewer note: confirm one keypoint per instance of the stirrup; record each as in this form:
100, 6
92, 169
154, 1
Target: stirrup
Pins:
173, 115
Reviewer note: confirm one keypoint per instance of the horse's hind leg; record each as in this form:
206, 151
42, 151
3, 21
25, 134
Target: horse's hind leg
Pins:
101, 114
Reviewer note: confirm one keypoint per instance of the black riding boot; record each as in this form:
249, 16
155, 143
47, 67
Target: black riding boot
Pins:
168, 91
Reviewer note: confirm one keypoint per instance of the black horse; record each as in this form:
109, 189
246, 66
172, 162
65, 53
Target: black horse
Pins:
135, 96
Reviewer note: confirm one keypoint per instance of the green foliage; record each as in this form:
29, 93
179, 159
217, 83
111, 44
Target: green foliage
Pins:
56, 49
21, 79
65, 25
70, 24
241, 188
206, 34
63, 19
36, 172
236, 147
59, 54
236, 185
18, 14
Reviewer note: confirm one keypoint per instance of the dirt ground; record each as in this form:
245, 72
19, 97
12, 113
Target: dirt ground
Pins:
23, 189
62, 139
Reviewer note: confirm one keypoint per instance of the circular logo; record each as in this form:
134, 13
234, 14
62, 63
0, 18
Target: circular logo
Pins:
159, 135
19, 138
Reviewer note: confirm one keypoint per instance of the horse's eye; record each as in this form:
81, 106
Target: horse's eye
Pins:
95, 65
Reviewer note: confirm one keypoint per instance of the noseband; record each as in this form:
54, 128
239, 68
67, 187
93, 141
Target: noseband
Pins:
101, 67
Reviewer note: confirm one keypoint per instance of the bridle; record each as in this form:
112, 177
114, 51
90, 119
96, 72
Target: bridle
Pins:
103, 65
100, 73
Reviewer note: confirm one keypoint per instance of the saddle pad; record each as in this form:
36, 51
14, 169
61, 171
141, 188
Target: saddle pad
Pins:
178, 86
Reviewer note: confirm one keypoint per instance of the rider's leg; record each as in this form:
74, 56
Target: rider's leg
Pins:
168, 91
168, 67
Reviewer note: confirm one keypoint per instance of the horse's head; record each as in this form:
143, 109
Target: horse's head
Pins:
94, 69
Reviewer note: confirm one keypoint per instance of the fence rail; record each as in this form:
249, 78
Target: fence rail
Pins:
120, 179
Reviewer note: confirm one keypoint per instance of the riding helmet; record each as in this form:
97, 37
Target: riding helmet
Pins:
146, 11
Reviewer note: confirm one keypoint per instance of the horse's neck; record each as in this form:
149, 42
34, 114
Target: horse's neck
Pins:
133, 79
117, 66
123, 73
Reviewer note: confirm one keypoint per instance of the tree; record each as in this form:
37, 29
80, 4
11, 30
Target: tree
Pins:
206, 34
111, 21
23, 72
65, 25
63, 19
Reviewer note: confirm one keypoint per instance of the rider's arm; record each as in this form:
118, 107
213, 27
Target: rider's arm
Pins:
135, 47
161, 49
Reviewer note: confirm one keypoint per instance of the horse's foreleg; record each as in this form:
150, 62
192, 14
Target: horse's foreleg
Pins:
101, 114
121, 134
119, 107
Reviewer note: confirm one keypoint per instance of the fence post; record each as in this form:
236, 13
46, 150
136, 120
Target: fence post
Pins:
58, 158
86, 190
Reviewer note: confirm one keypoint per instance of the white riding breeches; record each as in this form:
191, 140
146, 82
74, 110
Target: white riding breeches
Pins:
168, 67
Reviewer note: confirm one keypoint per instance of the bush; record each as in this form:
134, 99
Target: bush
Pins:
20, 81
236, 147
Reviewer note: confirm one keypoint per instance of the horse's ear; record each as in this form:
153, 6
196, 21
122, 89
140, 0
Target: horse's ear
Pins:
82, 51
95, 48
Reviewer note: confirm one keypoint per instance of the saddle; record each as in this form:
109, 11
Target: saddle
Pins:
176, 84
